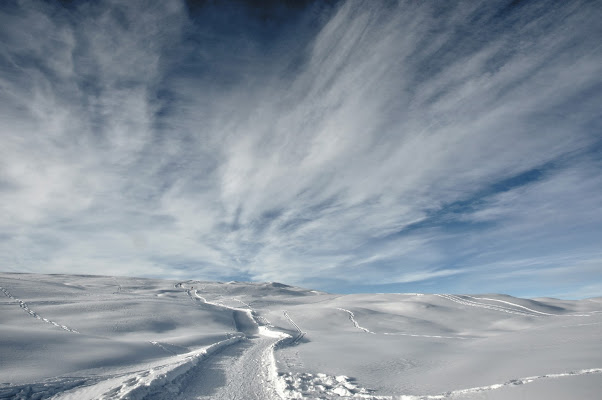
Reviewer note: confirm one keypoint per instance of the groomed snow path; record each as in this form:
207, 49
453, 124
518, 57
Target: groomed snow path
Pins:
239, 371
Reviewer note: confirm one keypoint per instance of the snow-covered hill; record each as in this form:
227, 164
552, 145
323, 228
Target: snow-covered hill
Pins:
96, 337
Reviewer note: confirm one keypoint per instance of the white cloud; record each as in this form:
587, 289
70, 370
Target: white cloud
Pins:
134, 141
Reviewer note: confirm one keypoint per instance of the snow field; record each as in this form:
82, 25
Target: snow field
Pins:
163, 377
158, 340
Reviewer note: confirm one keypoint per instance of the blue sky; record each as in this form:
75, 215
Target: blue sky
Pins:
347, 146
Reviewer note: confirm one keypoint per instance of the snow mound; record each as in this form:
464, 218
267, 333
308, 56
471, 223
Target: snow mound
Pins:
322, 386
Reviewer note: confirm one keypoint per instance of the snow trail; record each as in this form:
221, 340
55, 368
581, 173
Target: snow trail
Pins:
460, 300
34, 314
329, 387
358, 326
353, 320
529, 309
512, 382
239, 301
241, 367
426, 336
570, 326
300, 333
238, 370
42, 390
161, 378
159, 345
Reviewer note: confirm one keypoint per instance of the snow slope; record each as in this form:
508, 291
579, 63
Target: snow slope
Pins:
94, 337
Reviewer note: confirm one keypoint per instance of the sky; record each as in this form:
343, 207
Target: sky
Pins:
346, 146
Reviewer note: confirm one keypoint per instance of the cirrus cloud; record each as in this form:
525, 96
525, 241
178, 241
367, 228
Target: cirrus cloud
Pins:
350, 146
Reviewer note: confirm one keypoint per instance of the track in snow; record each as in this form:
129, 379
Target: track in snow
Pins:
513, 382
529, 309
159, 345
34, 314
426, 336
300, 333
355, 323
519, 310
240, 371
358, 326
322, 386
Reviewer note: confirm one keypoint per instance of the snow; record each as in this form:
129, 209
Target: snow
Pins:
93, 337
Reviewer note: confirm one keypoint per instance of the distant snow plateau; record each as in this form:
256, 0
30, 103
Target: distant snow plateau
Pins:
97, 337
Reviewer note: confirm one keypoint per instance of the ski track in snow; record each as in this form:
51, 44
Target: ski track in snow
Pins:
239, 371
243, 367
162, 382
34, 314
119, 288
159, 345
300, 333
512, 382
527, 311
570, 326
194, 294
357, 325
136, 385
426, 336
322, 386
459, 300
169, 381
248, 367
353, 320
238, 300
43, 390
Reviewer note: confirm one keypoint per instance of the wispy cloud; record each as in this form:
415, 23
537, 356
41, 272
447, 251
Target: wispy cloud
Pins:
359, 144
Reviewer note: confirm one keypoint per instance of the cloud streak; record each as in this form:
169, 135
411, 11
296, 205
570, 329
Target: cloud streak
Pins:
349, 147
